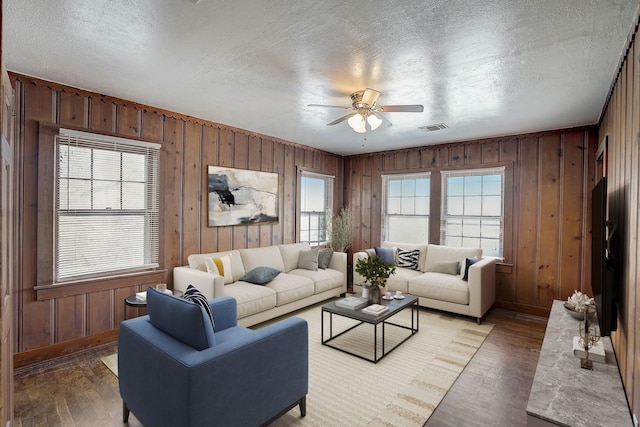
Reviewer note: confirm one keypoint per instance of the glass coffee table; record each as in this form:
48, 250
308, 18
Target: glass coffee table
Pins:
395, 306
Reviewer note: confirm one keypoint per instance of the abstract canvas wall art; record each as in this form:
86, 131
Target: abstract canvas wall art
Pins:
241, 197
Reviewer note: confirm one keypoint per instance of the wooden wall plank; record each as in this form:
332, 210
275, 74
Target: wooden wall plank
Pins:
73, 109
69, 318
99, 313
173, 148
192, 188
102, 114
364, 196
266, 164
210, 143
152, 125
526, 260
289, 195
549, 218
573, 172
277, 236
128, 120
456, 155
491, 152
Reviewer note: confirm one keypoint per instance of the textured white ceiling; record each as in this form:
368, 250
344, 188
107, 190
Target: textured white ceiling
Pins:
484, 68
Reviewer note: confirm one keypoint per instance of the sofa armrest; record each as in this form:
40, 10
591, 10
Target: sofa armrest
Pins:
210, 285
482, 286
339, 262
357, 279
225, 312
267, 368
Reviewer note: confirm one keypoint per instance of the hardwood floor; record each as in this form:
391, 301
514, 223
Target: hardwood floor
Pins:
79, 390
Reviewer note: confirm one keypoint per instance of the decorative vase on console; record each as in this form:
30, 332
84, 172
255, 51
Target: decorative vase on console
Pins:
375, 272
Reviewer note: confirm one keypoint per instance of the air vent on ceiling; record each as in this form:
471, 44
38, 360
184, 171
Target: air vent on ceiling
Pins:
431, 128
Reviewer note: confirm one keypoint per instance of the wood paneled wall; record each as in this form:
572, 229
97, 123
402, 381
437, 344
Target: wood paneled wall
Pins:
58, 319
620, 124
548, 179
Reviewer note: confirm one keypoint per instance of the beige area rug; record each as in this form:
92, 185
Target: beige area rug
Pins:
401, 390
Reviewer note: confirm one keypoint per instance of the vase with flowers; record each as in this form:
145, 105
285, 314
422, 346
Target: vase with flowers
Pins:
375, 272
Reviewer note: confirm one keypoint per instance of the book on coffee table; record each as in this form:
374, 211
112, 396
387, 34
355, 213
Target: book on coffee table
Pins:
352, 303
375, 309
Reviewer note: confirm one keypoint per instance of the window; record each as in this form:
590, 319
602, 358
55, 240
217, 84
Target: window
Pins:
316, 204
106, 206
406, 207
472, 209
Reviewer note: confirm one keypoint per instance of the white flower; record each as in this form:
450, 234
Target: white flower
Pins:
578, 300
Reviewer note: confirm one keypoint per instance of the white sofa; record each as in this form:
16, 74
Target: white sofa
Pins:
438, 290
292, 289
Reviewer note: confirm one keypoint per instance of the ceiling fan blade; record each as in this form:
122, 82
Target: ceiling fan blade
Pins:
330, 106
382, 117
370, 96
341, 119
400, 108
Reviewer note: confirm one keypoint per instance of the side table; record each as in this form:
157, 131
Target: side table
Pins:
132, 301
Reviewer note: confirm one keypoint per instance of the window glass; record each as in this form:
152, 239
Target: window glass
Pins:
406, 207
472, 209
316, 202
106, 205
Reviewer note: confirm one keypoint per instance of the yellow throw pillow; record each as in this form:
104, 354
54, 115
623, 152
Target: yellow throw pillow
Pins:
221, 266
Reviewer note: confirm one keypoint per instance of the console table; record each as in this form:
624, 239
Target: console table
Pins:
566, 395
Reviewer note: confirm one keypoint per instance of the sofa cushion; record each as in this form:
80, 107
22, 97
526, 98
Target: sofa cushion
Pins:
184, 320
323, 280
268, 256
387, 255
421, 247
442, 287
290, 287
399, 281
290, 254
251, 298
324, 258
446, 267
194, 295
408, 258
198, 261
260, 275
468, 263
448, 253
221, 266
308, 259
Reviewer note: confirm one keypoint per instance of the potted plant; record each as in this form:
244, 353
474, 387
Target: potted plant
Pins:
375, 272
340, 230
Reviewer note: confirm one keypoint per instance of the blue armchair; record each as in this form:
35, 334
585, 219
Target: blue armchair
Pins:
175, 369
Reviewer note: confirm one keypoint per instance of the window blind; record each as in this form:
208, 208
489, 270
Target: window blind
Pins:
106, 205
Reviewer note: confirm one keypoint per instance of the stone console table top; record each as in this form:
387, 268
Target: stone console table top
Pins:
565, 394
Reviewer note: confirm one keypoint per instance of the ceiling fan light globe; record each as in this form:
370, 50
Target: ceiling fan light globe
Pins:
374, 122
357, 123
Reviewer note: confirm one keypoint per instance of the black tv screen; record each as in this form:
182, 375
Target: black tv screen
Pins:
602, 273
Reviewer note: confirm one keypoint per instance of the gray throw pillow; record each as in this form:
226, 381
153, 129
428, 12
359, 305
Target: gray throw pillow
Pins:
446, 267
260, 275
309, 259
324, 258
387, 255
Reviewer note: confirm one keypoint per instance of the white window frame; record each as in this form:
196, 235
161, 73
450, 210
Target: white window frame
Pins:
121, 231
469, 220
310, 222
409, 199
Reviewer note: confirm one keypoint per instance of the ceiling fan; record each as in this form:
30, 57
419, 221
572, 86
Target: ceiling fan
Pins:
367, 112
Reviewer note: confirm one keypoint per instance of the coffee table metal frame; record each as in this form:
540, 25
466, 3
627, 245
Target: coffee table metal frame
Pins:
395, 306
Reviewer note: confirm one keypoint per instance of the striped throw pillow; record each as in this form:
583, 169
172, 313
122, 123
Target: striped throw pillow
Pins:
408, 258
220, 266
194, 295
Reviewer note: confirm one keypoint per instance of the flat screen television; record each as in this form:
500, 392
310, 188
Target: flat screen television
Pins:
602, 268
